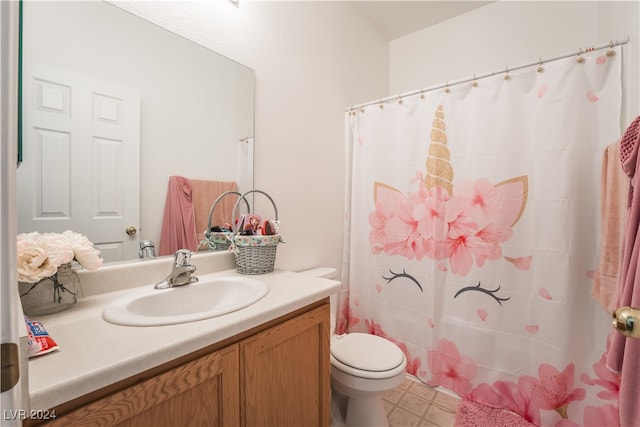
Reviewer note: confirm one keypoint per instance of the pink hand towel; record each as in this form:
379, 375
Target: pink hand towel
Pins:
204, 193
613, 213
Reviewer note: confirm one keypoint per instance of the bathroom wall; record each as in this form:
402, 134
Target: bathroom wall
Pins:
312, 60
511, 33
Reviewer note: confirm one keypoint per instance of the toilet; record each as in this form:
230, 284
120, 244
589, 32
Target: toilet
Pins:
363, 368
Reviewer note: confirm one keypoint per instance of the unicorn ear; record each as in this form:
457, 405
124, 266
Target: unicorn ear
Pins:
513, 196
379, 190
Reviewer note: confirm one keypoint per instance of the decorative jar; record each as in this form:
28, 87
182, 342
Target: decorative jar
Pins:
51, 294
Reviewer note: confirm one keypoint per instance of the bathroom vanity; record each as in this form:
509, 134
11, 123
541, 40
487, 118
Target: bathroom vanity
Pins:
266, 364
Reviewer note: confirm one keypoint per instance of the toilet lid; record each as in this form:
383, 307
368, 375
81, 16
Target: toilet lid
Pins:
366, 352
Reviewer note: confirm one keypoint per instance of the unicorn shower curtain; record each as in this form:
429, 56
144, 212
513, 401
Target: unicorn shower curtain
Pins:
473, 235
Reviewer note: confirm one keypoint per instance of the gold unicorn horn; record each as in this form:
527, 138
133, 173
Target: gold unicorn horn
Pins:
439, 169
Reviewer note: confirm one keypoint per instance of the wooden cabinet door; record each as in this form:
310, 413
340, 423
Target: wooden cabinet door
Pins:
203, 392
285, 373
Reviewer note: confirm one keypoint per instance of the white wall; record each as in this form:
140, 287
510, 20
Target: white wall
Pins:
512, 33
312, 60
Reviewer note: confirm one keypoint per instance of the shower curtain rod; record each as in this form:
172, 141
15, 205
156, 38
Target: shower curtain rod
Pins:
611, 44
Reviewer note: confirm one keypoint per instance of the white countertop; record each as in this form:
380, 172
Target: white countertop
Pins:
94, 353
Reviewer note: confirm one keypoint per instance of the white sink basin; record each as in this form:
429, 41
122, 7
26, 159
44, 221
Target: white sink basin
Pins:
211, 296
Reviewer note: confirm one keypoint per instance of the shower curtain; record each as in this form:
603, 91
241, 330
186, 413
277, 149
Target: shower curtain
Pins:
473, 235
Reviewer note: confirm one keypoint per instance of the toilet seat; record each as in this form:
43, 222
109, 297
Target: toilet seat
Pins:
366, 356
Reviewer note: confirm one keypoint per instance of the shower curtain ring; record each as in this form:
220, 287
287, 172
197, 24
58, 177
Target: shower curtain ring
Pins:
422, 93
580, 59
399, 99
506, 73
611, 52
381, 104
446, 87
475, 82
540, 68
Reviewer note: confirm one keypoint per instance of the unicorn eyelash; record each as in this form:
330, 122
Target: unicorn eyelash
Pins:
405, 275
491, 293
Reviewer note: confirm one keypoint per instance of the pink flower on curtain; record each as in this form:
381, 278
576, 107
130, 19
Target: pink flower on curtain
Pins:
508, 395
413, 364
375, 328
553, 390
544, 293
346, 319
568, 423
521, 263
466, 228
430, 212
461, 244
451, 370
591, 96
601, 416
480, 199
606, 379
394, 228
492, 235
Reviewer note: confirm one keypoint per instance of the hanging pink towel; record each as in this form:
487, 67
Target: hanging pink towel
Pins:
204, 194
614, 191
178, 223
623, 354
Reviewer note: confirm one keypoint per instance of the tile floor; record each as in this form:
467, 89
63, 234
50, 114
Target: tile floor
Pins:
415, 404
410, 404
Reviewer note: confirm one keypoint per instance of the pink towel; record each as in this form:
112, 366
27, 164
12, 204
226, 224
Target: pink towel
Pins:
614, 191
204, 194
178, 223
623, 354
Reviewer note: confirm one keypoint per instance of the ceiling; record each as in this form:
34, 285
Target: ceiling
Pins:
399, 18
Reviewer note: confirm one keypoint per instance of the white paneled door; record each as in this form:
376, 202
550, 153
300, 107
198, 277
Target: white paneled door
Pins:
80, 168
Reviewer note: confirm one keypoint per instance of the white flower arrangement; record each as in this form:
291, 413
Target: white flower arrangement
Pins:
40, 254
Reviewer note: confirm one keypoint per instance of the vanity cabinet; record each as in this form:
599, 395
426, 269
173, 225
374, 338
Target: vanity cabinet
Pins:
276, 375
285, 373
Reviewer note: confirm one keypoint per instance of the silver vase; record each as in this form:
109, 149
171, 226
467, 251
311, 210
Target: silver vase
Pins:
51, 294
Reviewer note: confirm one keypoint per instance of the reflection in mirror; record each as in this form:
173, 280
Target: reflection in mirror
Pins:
113, 106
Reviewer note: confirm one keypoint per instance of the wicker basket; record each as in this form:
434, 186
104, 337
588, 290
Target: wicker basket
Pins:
254, 254
220, 240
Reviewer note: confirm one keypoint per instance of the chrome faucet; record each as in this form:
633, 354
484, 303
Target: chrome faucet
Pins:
181, 271
147, 249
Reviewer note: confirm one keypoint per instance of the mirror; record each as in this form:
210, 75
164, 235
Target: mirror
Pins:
196, 118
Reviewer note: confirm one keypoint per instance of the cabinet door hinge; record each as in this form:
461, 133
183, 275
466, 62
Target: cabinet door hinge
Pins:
10, 359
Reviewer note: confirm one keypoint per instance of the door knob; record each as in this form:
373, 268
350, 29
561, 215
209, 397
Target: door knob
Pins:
131, 230
627, 321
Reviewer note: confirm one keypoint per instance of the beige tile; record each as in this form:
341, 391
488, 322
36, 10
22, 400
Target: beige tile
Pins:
416, 404
446, 402
439, 417
422, 390
405, 384
388, 406
424, 422
413, 403
401, 418
393, 395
